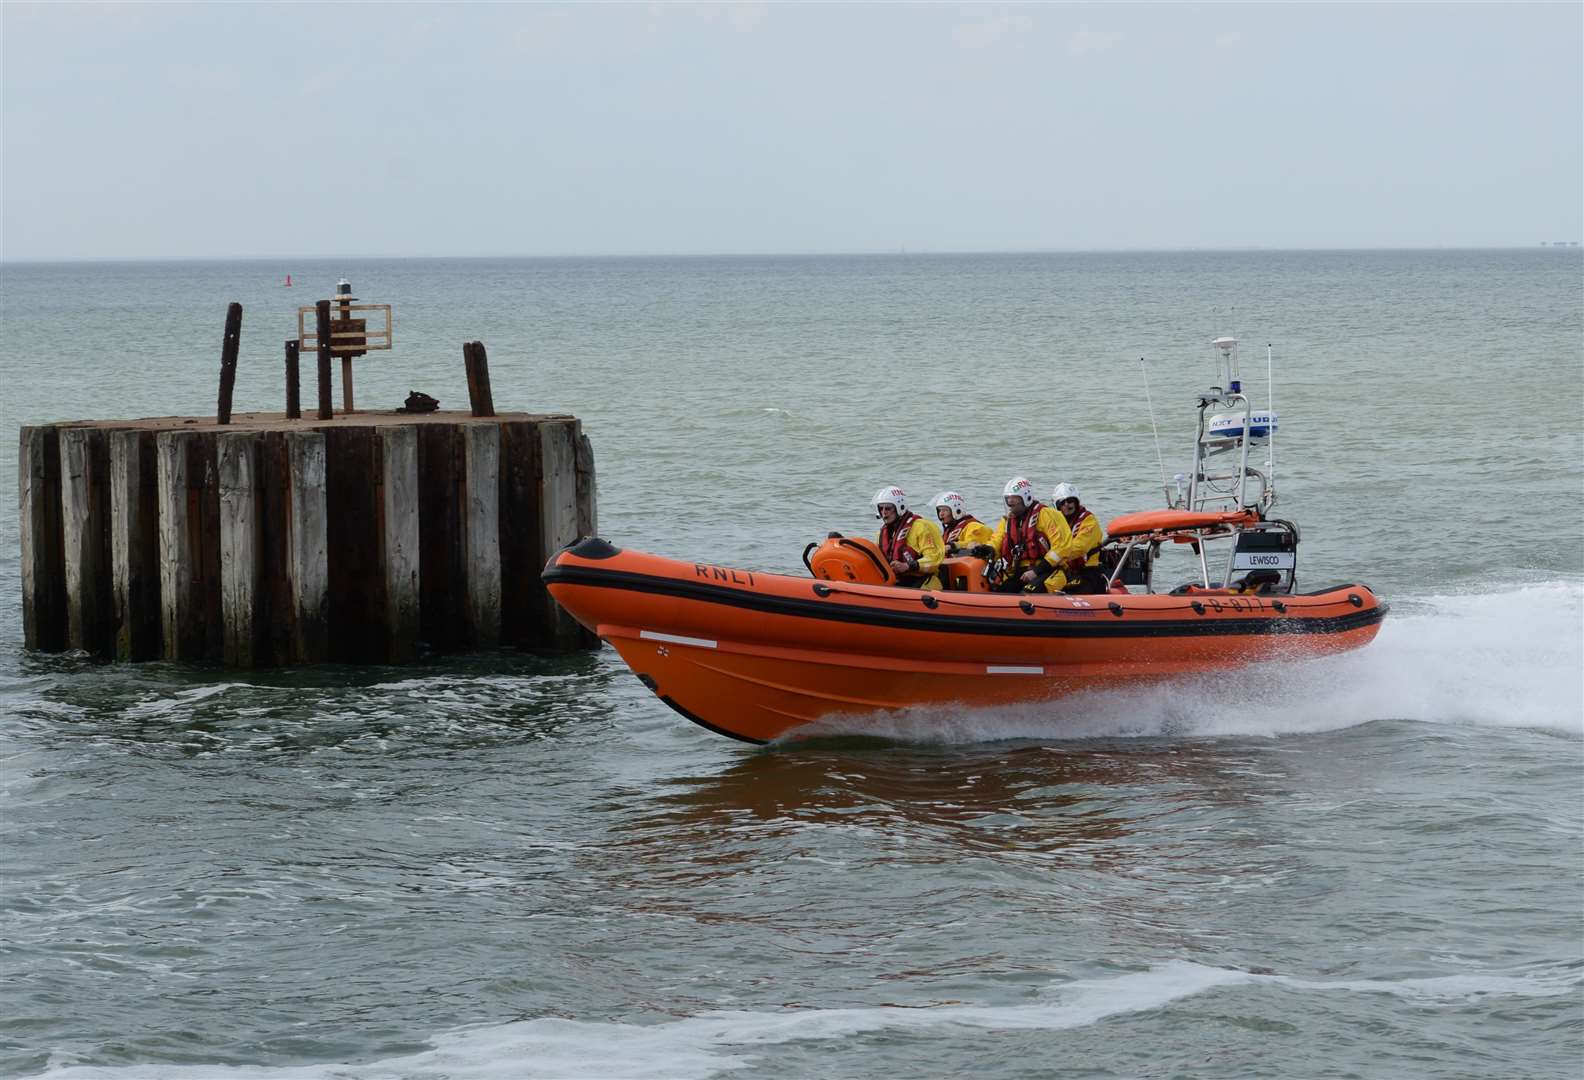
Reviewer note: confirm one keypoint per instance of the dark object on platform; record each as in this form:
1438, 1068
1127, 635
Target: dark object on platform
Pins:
419, 402
293, 381
228, 361
322, 314
477, 363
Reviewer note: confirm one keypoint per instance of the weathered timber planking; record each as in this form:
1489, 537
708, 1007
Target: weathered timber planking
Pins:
237, 456
354, 549
481, 533
441, 575
308, 561
134, 545
525, 603
85, 535
399, 535
228, 361
558, 508
275, 611
181, 608
203, 497
587, 488
258, 544
587, 518
43, 548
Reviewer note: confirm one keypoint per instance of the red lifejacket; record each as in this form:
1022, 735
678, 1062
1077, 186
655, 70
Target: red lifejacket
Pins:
958, 526
1023, 537
893, 539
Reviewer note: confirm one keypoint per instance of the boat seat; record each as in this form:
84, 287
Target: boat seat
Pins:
1258, 582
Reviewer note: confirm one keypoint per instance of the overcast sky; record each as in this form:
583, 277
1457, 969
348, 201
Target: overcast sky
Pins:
346, 129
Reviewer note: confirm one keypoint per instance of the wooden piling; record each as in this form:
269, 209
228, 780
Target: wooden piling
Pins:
178, 602
134, 545
322, 314
228, 361
275, 615
239, 548
85, 532
43, 550
189, 543
558, 505
587, 489
353, 545
293, 381
308, 561
476, 361
525, 603
441, 580
399, 531
481, 534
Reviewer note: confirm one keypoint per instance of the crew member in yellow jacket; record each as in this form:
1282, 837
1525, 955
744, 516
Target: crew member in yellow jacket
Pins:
910, 544
959, 529
1027, 538
1079, 557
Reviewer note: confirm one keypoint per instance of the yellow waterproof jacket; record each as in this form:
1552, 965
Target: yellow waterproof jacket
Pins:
1083, 542
1082, 549
973, 533
923, 541
1050, 524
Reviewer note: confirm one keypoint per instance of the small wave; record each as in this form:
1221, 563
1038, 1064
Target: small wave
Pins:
709, 1044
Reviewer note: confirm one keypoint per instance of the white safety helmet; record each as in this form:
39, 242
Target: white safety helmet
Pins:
952, 501
893, 495
1063, 492
1020, 487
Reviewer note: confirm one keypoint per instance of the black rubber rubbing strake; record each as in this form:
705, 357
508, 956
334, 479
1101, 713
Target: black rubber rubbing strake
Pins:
1139, 624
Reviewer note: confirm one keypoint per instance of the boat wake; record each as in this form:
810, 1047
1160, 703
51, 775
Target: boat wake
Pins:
1509, 658
711, 1044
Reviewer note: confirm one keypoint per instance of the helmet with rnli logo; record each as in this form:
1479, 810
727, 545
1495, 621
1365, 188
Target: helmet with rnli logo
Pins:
893, 495
1020, 487
952, 501
1064, 492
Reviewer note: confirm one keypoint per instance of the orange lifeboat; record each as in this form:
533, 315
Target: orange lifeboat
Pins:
756, 656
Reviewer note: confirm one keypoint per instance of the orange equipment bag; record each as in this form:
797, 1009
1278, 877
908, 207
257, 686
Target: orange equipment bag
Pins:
849, 558
964, 573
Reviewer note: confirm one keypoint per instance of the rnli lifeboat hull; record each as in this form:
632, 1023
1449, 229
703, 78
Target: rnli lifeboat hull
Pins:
756, 656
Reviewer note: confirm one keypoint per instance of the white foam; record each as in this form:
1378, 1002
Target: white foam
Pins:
709, 1044
1509, 658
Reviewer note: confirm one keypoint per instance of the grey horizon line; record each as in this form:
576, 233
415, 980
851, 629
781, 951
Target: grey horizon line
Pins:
1550, 245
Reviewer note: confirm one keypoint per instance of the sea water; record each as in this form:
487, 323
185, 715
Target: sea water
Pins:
1370, 865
